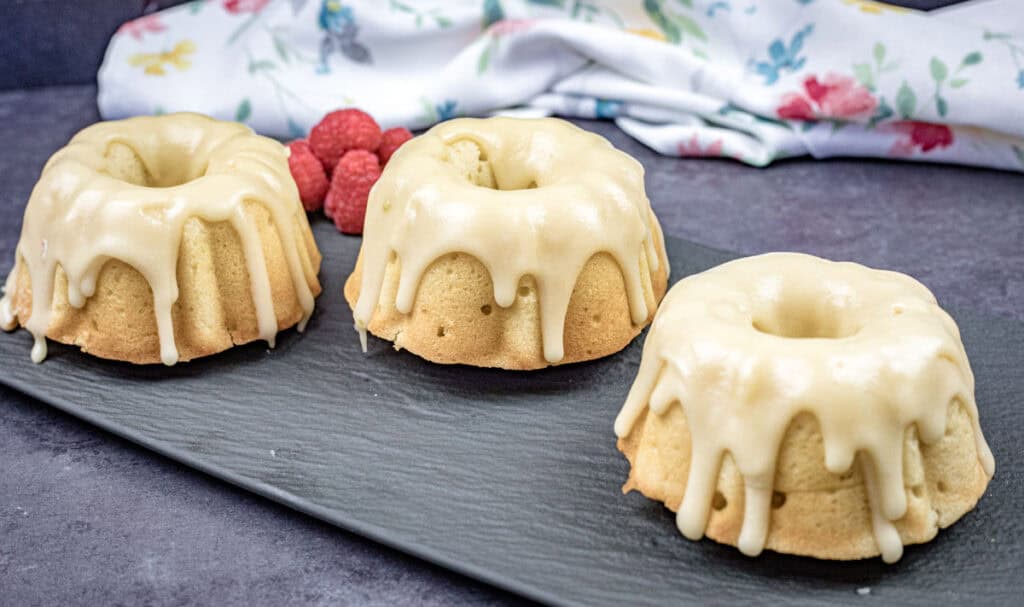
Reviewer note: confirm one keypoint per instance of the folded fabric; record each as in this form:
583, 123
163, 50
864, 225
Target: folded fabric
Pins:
754, 81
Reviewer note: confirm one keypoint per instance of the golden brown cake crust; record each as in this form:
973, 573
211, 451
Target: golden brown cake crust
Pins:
160, 239
513, 243
814, 512
456, 320
214, 310
812, 407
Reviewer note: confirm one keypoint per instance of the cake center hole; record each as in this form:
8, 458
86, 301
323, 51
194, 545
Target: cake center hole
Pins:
804, 318
175, 166
471, 161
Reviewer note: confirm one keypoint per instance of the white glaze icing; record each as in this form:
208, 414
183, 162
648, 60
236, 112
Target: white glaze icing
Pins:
745, 347
535, 197
80, 215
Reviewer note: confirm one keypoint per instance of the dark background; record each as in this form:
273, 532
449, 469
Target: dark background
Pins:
88, 518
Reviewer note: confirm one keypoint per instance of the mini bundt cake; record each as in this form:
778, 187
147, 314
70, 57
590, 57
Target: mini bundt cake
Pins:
159, 239
512, 243
806, 406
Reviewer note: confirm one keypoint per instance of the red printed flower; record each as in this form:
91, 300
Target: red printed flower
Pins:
795, 107
915, 135
693, 148
237, 7
136, 28
836, 96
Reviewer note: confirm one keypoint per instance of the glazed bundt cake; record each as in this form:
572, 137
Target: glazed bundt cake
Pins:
159, 239
806, 406
513, 243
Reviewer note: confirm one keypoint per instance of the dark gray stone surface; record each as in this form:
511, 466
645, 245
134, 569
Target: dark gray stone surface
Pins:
88, 518
510, 477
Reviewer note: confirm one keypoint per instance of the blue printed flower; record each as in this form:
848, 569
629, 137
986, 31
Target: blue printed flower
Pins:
714, 7
295, 130
340, 30
782, 57
1020, 79
446, 110
607, 108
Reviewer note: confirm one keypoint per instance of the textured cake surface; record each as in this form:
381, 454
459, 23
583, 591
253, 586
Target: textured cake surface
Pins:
806, 406
159, 239
508, 243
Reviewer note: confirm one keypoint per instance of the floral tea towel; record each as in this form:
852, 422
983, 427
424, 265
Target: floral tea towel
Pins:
746, 79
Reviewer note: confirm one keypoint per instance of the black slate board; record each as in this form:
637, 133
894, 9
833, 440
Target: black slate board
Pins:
512, 478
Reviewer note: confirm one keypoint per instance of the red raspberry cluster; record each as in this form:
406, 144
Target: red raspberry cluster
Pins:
337, 165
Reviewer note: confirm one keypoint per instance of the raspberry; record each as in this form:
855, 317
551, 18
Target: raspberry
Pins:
341, 131
308, 174
354, 175
391, 140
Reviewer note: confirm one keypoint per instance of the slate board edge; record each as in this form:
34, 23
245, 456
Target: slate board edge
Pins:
370, 531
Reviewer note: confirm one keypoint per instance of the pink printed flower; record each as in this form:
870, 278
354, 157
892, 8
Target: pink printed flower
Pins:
923, 136
136, 28
238, 7
836, 96
693, 148
510, 26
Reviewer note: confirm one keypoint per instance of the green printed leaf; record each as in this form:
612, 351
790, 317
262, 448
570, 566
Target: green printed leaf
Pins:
554, 3
939, 70
996, 36
442, 22
690, 27
244, 111
485, 58
1019, 153
862, 72
941, 106
879, 53
882, 113
428, 110
588, 13
686, 3
958, 82
906, 101
658, 16
256, 66
282, 50
971, 59
398, 6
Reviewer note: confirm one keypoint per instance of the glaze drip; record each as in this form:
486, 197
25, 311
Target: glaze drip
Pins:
524, 197
125, 189
898, 363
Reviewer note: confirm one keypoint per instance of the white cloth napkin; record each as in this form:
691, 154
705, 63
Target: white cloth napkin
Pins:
746, 79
